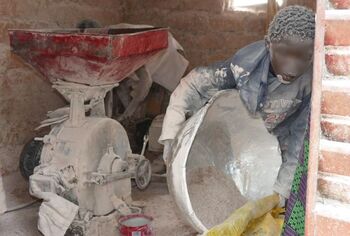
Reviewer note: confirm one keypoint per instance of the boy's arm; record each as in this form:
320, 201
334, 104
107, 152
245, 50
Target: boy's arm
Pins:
202, 83
192, 93
291, 144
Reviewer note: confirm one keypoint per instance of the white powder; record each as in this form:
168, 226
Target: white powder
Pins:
333, 146
213, 195
337, 14
338, 85
332, 209
338, 120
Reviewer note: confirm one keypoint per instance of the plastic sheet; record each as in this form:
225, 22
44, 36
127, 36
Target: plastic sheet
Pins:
229, 153
254, 218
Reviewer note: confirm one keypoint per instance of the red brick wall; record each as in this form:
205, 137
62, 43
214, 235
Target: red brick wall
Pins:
24, 96
328, 196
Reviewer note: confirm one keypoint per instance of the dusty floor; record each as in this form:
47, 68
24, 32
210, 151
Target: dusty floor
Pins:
159, 205
22, 222
16, 190
213, 195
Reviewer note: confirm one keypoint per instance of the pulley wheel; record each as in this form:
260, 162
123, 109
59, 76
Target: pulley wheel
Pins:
30, 157
143, 174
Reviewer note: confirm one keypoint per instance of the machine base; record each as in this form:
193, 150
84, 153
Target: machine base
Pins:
96, 226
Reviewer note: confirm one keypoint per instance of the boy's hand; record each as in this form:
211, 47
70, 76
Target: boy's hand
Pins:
282, 200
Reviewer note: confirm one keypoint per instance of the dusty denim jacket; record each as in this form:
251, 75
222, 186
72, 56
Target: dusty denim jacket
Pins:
283, 107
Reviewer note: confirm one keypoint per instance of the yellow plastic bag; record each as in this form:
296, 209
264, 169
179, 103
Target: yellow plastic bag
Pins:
254, 218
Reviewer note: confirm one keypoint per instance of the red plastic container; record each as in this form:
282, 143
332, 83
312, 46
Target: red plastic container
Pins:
135, 225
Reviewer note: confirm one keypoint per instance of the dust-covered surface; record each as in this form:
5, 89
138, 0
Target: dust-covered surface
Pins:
214, 197
16, 190
24, 93
160, 205
20, 223
16, 193
243, 150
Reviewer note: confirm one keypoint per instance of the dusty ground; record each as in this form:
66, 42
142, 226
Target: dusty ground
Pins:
167, 221
20, 223
159, 205
213, 195
16, 190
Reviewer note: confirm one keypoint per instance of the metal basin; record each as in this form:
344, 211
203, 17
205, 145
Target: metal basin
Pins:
222, 158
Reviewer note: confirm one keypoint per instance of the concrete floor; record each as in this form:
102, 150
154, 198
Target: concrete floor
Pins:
159, 205
16, 190
21, 223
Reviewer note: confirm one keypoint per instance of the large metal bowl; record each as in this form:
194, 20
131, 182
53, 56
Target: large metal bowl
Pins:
222, 158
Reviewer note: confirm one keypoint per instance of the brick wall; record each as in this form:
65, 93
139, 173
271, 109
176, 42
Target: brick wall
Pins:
24, 95
328, 198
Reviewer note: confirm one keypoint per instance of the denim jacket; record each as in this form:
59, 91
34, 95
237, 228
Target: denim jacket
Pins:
284, 108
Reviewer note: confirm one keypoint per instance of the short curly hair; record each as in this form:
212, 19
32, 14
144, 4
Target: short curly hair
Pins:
292, 23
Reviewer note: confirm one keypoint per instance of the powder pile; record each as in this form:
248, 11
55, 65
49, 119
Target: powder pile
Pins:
213, 195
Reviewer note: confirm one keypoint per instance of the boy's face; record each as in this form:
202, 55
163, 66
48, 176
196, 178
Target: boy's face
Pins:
291, 58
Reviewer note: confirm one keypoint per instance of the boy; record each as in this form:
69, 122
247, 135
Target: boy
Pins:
274, 79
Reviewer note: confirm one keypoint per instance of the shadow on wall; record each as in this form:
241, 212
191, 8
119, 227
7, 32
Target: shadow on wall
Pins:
25, 98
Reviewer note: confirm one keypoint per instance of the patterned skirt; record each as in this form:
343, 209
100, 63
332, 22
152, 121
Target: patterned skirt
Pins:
294, 224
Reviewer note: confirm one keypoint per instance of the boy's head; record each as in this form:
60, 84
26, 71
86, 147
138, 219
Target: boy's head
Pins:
290, 41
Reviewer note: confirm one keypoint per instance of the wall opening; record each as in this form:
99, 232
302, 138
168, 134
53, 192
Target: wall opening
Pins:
251, 5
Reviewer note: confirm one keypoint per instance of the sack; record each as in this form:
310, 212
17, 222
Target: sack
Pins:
259, 218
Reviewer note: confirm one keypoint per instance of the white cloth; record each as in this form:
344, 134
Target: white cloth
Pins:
2, 198
55, 213
167, 67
